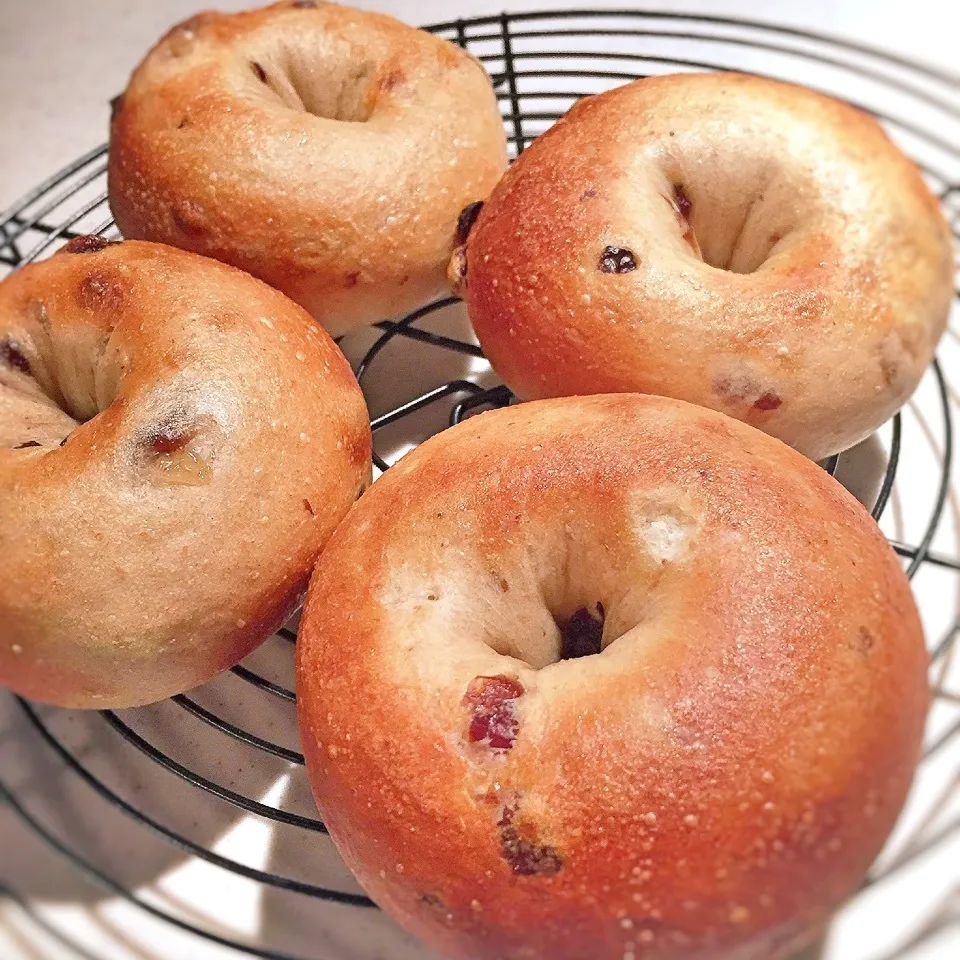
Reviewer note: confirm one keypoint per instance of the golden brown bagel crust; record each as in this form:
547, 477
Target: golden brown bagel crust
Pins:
839, 259
326, 150
711, 786
213, 436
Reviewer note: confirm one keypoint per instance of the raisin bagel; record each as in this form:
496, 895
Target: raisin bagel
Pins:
736, 242
609, 677
177, 442
326, 150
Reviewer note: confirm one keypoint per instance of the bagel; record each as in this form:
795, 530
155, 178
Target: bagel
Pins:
177, 442
740, 243
325, 150
608, 677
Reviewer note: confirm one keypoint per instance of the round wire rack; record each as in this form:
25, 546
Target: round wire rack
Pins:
208, 788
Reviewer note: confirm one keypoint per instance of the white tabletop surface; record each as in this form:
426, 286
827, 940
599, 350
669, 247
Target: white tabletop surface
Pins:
60, 63
62, 60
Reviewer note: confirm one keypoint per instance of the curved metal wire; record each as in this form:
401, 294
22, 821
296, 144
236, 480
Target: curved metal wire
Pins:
943, 488
25, 224
50, 183
262, 683
837, 42
893, 460
117, 889
30, 217
60, 232
206, 784
237, 733
915, 90
492, 398
182, 843
932, 138
393, 329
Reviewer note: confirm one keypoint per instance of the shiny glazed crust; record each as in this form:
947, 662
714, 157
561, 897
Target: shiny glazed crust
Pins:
712, 785
177, 442
326, 150
736, 242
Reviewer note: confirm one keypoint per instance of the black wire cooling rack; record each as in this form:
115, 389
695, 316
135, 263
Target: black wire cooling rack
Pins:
540, 62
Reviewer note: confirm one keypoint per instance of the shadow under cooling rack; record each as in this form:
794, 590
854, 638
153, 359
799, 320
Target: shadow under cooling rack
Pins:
540, 63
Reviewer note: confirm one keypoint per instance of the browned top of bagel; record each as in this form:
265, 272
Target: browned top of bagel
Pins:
716, 780
324, 149
177, 441
733, 241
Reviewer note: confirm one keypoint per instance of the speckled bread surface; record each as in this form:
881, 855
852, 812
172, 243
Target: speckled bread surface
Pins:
733, 241
326, 150
610, 677
177, 442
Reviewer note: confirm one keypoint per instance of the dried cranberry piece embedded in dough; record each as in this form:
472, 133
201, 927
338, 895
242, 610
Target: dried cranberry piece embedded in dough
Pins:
491, 702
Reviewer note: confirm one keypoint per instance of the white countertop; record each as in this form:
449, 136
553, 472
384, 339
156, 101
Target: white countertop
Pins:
60, 63
62, 60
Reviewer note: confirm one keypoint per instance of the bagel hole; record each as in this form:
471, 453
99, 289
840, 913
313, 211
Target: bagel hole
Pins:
53, 390
327, 86
581, 634
735, 241
568, 635
743, 259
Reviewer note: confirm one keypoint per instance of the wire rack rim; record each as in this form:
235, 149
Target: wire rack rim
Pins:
937, 101
935, 73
